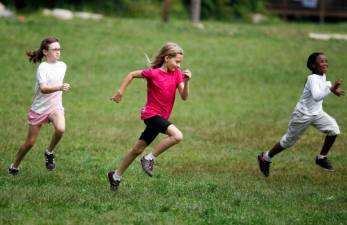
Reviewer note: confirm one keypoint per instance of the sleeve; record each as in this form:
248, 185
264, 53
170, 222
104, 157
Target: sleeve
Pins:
318, 92
41, 75
147, 73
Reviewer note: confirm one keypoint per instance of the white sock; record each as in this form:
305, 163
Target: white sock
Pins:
266, 156
150, 156
322, 156
48, 152
13, 167
116, 177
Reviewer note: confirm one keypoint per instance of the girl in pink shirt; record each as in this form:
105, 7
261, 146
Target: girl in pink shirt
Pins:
47, 102
163, 78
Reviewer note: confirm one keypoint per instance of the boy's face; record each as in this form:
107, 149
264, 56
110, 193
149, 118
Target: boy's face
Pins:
321, 64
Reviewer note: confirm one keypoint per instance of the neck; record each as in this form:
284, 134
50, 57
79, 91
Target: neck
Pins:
164, 68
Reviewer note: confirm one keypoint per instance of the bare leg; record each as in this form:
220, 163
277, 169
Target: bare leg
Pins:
33, 133
174, 137
137, 149
58, 120
328, 142
277, 148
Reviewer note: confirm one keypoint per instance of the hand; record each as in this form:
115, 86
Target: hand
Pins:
187, 74
338, 91
338, 82
117, 97
65, 87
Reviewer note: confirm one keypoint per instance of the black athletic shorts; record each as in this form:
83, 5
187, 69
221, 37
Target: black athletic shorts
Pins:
154, 126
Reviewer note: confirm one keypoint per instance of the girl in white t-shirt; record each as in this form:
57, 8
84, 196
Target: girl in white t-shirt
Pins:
309, 111
47, 102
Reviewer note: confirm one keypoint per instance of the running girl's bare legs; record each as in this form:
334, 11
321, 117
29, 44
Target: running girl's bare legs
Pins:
33, 133
137, 149
58, 121
174, 137
328, 142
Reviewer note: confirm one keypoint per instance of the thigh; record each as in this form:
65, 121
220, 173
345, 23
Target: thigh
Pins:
172, 130
298, 124
33, 132
149, 134
325, 123
58, 120
158, 123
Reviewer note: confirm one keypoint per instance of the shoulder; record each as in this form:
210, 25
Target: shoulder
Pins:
149, 72
61, 64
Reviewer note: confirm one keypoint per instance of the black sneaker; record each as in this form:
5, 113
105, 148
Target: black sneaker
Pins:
324, 163
114, 184
147, 166
13, 171
264, 165
50, 163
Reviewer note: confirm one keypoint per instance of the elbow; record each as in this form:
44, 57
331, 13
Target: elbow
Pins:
184, 98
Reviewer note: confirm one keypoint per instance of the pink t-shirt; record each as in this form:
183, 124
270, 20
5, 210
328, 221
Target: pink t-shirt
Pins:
161, 92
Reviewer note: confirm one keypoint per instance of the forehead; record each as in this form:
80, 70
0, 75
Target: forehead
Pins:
54, 45
321, 57
178, 57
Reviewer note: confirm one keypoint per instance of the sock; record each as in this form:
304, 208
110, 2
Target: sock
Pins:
116, 177
322, 156
48, 152
266, 156
13, 167
150, 156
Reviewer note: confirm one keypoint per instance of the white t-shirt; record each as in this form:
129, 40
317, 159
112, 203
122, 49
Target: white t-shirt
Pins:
50, 74
316, 88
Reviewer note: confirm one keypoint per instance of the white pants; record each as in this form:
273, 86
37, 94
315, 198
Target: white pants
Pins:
299, 122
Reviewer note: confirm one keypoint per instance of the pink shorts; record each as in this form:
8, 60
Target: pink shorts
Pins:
35, 118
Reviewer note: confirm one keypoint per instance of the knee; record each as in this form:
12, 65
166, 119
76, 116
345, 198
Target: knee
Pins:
178, 136
29, 143
137, 150
59, 131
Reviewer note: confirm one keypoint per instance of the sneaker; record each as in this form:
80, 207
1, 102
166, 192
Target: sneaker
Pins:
324, 163
147, 166
114, 184
264, 165
50, 163
13, 171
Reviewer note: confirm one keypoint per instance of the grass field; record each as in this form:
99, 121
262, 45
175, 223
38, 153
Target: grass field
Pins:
246, 82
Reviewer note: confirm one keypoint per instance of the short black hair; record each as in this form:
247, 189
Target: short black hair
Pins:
312, 59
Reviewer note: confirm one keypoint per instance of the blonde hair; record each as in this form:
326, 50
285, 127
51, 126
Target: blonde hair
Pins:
168, 49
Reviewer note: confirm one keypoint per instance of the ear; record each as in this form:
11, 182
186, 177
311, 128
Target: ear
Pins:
45, 52
166, 58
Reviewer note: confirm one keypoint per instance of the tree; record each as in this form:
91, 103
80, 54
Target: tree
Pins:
196, 8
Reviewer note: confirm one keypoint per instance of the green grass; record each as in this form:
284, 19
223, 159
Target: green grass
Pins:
246, 81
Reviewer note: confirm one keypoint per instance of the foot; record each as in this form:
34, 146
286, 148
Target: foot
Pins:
324, 163
264, 165
147, 166
114, 184
50, 163
13, 171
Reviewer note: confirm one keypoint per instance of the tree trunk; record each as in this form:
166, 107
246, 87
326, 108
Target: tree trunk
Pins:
196, 8
166, 10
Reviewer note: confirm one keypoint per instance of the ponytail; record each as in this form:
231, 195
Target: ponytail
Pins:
36, 56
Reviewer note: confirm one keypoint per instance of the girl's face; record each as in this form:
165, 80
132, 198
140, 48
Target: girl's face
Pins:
53, 52
172, 63
321, 64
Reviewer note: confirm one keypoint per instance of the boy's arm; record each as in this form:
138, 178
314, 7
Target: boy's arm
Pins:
127, 80
183, 87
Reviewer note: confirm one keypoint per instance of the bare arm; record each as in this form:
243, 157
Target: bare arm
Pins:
47, 89
127, 80
183, 87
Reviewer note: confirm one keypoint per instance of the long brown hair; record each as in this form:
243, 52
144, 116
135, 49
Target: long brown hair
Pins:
37, 55
168, 49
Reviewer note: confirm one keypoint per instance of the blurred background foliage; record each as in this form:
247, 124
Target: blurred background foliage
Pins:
210, 9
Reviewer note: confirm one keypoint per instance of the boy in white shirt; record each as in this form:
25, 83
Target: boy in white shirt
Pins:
309, 111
